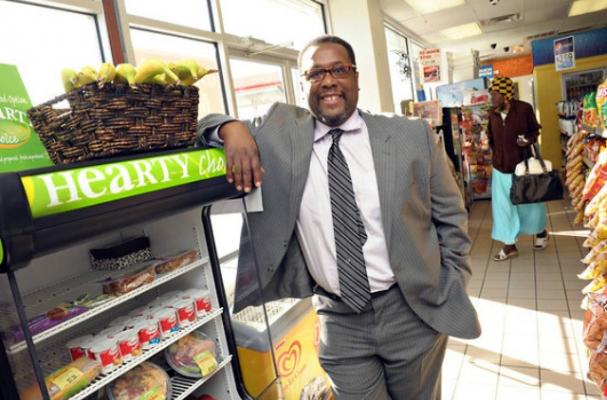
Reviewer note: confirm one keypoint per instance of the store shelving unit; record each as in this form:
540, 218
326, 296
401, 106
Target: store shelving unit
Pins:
35, 302
44, 261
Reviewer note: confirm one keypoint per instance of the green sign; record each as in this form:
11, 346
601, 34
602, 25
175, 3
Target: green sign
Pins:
77, 188
20, 146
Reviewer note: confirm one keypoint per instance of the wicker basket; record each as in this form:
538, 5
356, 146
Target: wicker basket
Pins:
117, 119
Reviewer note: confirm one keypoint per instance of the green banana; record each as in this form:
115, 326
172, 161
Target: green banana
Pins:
125, 73
151, 68
85, 76
186, 70
69, 77
201, 73
160, 79
107, 73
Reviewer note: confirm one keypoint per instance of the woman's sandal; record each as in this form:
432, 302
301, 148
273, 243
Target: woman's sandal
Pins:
503, 256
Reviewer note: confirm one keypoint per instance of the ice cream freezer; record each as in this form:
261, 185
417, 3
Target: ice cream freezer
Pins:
294, 331
105, 284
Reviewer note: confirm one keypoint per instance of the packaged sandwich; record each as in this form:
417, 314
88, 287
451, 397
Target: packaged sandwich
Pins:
172, 262
67, 381
144, 273
146, 381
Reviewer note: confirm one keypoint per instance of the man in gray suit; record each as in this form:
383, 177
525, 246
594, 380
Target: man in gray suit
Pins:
360, 211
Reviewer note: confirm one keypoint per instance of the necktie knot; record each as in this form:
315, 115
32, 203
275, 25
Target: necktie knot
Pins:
336, 135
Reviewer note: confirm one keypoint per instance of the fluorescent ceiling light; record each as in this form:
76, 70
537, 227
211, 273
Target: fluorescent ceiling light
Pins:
462, 31
580, 7
431, 6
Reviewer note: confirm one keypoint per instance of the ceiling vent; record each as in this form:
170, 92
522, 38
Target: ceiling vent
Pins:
498, 20
541, 35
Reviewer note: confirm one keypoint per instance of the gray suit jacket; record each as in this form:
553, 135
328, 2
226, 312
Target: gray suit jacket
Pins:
423, 216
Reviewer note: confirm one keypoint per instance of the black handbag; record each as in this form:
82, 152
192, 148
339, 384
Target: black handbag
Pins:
536, 188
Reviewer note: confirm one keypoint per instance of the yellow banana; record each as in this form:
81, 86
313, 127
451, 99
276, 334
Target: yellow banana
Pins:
86, 75
125, 73
151, 68
107, 73
69, 77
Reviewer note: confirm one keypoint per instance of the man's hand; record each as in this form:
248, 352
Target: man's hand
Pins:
243, 165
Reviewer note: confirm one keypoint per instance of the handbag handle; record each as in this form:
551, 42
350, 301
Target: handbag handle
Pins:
535, 152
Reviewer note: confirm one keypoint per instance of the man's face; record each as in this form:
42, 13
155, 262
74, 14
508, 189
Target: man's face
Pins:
497, 99
331, 100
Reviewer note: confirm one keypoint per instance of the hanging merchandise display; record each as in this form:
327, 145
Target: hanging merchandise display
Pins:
476, 150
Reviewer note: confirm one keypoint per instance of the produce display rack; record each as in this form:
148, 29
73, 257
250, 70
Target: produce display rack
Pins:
44, 259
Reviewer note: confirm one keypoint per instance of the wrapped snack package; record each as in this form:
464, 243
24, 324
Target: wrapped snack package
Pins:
600, 101
175, 261
121, 255
597, 285
192, 356
145, 381
66, 381
50, 319
590, 114
597, 369
145, 273
597, 177
596, 323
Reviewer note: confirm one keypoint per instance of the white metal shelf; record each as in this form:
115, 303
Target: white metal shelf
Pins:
183, 387
103, 379
160, 279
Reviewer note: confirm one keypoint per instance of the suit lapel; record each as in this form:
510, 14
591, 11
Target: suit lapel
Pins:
302, 139
384, 159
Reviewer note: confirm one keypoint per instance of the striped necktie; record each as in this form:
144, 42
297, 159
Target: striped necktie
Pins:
350, 234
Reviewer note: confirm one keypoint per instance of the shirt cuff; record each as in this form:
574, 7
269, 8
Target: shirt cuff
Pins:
214, 139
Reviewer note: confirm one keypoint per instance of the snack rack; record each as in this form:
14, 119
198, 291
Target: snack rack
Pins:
50, 218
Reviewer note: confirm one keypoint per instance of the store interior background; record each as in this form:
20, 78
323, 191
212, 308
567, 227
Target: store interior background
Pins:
254, 45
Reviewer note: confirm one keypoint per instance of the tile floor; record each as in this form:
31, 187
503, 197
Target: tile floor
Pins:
531, 346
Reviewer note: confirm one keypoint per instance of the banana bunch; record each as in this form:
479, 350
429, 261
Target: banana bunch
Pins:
184, 72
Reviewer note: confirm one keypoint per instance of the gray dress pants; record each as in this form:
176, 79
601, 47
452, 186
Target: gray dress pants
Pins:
386, 352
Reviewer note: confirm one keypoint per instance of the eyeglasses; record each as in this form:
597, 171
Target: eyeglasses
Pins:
337, 72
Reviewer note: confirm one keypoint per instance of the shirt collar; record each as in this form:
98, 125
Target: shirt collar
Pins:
354, 123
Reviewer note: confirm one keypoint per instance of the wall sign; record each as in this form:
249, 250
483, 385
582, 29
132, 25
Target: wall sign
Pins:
20, 147
429, 61
486, 71
564, 53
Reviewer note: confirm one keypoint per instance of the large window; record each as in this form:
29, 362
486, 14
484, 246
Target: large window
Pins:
290, 23
190, 13
148, 44
41, 41
400, 68
257, 86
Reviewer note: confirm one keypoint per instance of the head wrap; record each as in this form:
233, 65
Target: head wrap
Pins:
503, 85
